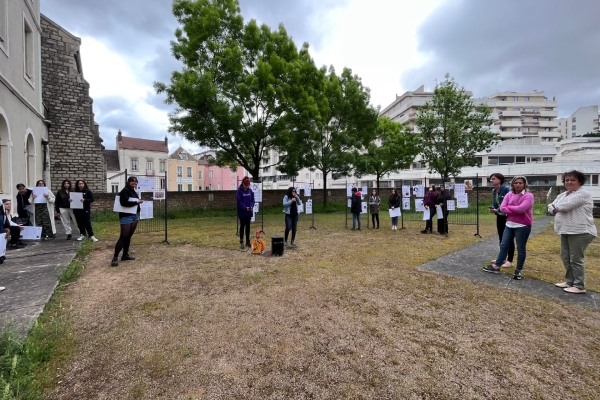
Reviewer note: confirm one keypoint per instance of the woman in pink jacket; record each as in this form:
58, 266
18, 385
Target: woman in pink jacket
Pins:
518, 206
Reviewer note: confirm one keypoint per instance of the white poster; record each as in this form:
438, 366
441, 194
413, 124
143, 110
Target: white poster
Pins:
307, 192
462, 201
459, 188
395, 212
440, 212
147, 210
117, 207
450, 205
419, 191
309, 206
76, 204
349, 191
419, 205
256, 208
426, 214
2, 244
449, 185
158, 195
146, 184
405, 191
255, 186
253, 219
297, 187
349, 203
363, 209
406, 203
31, 232
39, 195
300, 208
365, 191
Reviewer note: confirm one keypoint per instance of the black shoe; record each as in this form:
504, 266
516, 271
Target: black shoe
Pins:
68, 237
127, 257
518, 275
242, 245
51, 236
424, 231
353, 228
248, 244
21, 243
358, 229
2, 258
490, 268
114, 262
14, 246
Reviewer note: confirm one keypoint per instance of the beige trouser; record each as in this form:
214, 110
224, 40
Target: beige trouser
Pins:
66, 215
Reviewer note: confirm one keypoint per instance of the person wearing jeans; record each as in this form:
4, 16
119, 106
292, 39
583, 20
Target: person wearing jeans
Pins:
291, 202
500, 190
518, 207
355, 207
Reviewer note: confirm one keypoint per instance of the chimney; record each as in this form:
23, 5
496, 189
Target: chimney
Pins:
119, 138
166, 142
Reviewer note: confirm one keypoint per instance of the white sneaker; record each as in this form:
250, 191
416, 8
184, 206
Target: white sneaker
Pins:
2, 288
94, 239
80, 238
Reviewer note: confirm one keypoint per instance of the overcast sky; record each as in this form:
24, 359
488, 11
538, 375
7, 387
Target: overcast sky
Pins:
394, 46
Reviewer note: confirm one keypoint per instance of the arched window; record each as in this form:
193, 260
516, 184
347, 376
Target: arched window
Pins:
5, 167
30, 160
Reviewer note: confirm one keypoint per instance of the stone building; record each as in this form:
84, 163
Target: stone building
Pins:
75, 143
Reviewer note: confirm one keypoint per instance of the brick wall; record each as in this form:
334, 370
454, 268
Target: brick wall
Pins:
75, 143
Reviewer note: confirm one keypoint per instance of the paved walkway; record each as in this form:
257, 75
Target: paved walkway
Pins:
466, 263
31, 275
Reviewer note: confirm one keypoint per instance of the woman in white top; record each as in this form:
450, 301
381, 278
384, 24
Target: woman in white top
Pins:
575, 224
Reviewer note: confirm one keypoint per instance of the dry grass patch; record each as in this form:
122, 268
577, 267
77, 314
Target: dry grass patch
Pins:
346, 315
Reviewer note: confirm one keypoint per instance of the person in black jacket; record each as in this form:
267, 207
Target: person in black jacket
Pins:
24, 199
356, 207
128, 197
442, 200
393, 203
83, 216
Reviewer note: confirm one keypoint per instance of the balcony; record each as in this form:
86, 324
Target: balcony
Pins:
548, 124
511, 124
510, 134
530, 123
545, 113
551, 134
511, 113
530, 112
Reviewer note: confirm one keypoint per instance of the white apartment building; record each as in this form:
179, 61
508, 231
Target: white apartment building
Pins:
581, 122
23, 132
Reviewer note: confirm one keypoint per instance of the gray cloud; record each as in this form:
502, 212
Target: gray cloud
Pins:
514, 45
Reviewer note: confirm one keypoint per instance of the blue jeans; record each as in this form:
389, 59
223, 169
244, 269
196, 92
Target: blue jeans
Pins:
520, 235
355, 216
291, 223
394, 221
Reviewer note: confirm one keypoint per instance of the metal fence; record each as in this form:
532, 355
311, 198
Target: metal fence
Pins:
153, 188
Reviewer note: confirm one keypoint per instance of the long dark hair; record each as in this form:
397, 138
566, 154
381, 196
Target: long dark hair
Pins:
41, 180
289, 192
130, 179
62, 190
85, 186
394, 192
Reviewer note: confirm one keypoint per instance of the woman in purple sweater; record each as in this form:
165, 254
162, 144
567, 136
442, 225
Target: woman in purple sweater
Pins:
518, 206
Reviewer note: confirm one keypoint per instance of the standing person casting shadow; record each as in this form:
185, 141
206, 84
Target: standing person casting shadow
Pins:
500, 190
44, 213
374, 203
442, 200
83, 216
355, 208
291, 201
429, 203
245, 208
128, 197
393, 203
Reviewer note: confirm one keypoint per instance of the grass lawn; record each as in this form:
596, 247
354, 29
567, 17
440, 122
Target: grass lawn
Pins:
345, 315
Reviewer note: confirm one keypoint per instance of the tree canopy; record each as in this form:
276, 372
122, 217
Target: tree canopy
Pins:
452, 130
237, 84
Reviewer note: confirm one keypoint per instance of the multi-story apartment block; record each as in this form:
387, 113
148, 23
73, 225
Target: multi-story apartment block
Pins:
24, 145
143, 157
582, 122
182, 171
404, 108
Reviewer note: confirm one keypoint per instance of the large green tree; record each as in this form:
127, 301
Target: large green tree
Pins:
452, 130
335, 122
237, 83
395, 148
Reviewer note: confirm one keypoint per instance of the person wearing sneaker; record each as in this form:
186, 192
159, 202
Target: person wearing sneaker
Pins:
498, 192
129, 198
291, 202
429, 203
393, 203
14, 229
374, 203
83, 216
356, 207
518, 206
574, 222
245, 207
63, 205
44, 212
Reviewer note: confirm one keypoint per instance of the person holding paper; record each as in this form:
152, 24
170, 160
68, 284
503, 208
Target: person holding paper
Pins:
518, 206
355, 207
83, 216
393, 203
44, 213
63, 205
498, 192
128, 197
429, 202
442, 201
24, 203
245, 207
374, 203
291, 202
14, 229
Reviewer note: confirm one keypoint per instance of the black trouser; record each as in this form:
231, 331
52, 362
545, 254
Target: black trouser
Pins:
375, 216
442, 224
500, 225
429, 222
84, 222
15, 234
245, 227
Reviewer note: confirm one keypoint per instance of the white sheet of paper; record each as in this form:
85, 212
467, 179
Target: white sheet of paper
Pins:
307, 191
300, 208
406, 203
117, 207
256, 207
419, 191
440, 212
405, 191
395, 212
349, 191
426, 214
450, 205
258, 197
349, 203
309, 206
32, 233
419, 205
39, 193
297, 187
253, 217
147, 210
146, 184
159, 195
76, 204
363, 209
462, 201
459, 188
2, 244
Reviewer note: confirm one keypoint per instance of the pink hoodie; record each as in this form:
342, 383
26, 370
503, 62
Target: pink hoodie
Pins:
518, 207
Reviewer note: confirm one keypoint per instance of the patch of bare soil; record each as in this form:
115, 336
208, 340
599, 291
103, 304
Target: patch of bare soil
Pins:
346, 315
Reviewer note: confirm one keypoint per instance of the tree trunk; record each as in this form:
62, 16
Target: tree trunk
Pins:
324, 190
